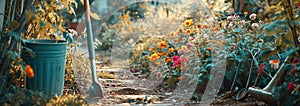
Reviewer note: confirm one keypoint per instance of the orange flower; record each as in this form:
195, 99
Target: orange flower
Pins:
274, 63
206, 26
180, 78
180, 30
191, 38
153, 50
188, 22
245, 13
208, 48
191, 27
171, 50
29, 71
177, 40
188, 31
162, 45
195, 30
169, 60
207, 42
160, 53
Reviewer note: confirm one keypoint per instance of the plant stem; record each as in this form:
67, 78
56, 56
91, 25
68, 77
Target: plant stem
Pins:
255, 81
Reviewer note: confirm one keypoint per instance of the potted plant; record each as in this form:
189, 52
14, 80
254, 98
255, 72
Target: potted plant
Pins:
44, 46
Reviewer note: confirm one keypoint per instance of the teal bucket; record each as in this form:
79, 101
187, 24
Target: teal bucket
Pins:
48, 64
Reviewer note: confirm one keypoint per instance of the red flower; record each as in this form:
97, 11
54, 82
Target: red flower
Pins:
298, 5
293, 71
295, 61
290, 86
260, 69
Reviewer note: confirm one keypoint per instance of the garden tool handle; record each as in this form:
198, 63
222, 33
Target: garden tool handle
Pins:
90, 39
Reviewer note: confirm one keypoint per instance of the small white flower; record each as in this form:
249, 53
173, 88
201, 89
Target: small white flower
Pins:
252, 16
254, 25
243, 21
230, 18
230, 25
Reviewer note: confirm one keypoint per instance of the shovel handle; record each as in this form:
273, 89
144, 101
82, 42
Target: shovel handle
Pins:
90, 39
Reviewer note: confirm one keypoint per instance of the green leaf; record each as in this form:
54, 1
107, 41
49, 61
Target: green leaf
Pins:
269, 29
29, 51
269, 38
12, 55
13, 34
288, 38
289, 52
264, 54
208, 66
236, 30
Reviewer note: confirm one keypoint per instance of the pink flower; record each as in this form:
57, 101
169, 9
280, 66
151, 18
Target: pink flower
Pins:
179, 61
236, 16
175, 58
290, 86
243, 22
189, 45
183, 49
230, 18
159, 75
260, 69
252, 16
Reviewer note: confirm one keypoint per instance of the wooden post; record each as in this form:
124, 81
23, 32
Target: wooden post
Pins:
2, 12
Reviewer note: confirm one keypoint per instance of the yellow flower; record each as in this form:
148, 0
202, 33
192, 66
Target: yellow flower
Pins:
245, 13
172, 33
188, 22
171, 50
162, 44
154, 56
184, 48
